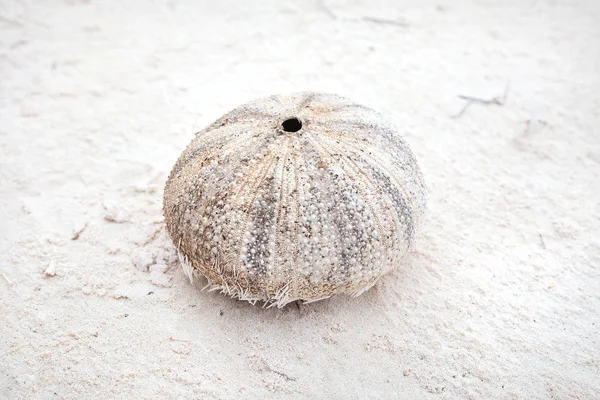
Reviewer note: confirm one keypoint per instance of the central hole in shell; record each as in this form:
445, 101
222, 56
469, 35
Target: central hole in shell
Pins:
292, 125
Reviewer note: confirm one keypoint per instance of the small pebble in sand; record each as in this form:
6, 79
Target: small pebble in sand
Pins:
50, 269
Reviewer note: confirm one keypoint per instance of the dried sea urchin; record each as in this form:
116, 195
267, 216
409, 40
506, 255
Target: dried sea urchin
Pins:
294, 197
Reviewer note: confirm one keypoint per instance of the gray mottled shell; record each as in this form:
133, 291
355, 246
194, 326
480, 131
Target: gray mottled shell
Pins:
278, 216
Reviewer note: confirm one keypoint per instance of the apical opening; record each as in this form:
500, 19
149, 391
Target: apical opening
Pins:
292, 125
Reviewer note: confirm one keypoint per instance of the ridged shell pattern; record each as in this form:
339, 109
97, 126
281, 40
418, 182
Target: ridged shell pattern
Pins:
268, 213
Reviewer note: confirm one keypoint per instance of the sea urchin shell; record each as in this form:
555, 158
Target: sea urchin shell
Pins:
291, 197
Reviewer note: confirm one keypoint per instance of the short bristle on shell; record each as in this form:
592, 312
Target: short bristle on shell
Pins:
294, 197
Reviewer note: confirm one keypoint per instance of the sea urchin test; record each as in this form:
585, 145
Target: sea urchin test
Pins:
294, 197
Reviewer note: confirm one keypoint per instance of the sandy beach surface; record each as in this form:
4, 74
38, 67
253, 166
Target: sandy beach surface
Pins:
500, 298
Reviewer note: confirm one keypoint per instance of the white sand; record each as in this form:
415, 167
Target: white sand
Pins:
500, 299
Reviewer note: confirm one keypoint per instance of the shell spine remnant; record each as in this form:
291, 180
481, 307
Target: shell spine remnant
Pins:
298, 196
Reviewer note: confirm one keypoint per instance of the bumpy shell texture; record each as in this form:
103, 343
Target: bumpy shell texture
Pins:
294, 197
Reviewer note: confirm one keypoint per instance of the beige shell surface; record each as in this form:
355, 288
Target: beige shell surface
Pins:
291, 197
